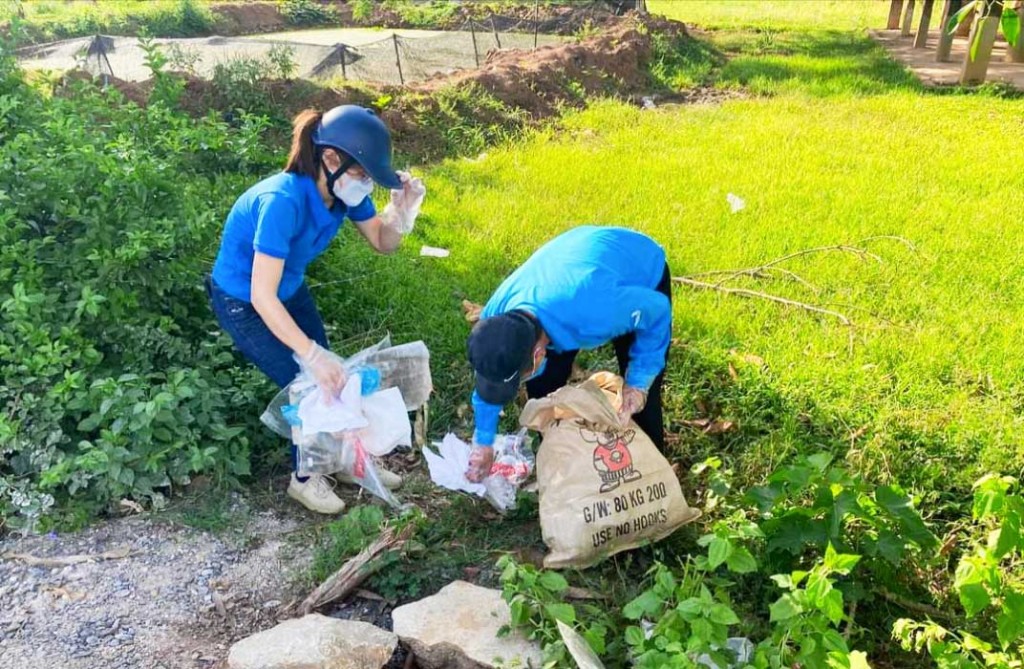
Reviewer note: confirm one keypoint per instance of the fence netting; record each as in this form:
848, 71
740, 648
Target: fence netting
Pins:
398, 57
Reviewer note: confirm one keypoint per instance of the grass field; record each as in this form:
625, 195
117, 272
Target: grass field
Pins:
838, 145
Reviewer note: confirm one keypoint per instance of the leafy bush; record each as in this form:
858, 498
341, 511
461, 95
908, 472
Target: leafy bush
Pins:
306, 13
114, 385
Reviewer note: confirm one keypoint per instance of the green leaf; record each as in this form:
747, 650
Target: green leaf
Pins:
1009, 535
719, 551
561, 611
859, 660
955, 20
832, 606
899, 505
646, 604
1008, 628
818, 587
1010, 623
976, 41
784, 581
784, 609
840, 563
1011, 25
690, 608
518, 612
634, 636
741, 561
890, 546
723, 615
990, 495
820, 461
974, 598
553, 581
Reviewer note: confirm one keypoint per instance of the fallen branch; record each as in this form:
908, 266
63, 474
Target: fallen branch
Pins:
744, 292
916, 607
355, 570
34, 561
840, 248
757, 273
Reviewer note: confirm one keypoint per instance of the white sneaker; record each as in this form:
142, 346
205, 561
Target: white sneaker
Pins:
391, 480
316, 494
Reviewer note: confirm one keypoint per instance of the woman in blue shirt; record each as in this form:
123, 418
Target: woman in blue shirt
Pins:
280, 225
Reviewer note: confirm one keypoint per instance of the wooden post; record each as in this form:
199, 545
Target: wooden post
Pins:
895, 10
536, 21
984, 30
398, 60
908, 19
950, 8
476, 52
921, 39
495, 31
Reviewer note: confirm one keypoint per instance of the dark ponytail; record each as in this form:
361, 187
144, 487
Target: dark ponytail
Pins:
302, 158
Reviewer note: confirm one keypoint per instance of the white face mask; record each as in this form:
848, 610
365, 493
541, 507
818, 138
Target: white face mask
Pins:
351, 190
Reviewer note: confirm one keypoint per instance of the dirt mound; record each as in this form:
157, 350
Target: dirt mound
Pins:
248, 18
614, 62
532, 85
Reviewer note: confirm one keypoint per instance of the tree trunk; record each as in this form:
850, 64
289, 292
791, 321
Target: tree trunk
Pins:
984, 30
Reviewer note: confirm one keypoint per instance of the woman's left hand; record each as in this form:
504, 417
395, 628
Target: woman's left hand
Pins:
400, 214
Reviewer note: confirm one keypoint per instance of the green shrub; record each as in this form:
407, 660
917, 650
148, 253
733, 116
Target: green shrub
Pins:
306, 13
114, 383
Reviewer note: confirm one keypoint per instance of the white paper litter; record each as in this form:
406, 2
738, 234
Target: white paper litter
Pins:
434, 252
388, 420
736, 203
448, 466
741, 647
333, 414
579, 648
647, 102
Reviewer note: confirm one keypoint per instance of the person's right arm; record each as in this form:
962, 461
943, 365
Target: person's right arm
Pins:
277, 223
266, 279
486, 417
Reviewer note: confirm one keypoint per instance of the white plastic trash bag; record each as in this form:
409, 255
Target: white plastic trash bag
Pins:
368, 419
513, 464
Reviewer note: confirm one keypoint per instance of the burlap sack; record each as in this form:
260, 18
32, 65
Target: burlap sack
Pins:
603, 489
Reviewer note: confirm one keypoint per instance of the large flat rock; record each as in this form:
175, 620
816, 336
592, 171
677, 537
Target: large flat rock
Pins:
458, 629
315, 642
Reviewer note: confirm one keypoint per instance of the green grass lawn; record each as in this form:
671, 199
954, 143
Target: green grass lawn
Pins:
838, 145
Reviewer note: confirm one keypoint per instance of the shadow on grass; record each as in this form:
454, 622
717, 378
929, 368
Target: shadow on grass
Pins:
821, 63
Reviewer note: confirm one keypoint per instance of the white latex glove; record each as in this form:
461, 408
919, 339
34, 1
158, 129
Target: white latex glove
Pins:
326, 369
633, 401
401, 212
481, 459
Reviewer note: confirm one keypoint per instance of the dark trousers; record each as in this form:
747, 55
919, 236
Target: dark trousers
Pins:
254, 339
559, 368
257, 343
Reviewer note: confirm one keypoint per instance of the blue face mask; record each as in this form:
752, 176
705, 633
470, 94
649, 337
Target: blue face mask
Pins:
540, 370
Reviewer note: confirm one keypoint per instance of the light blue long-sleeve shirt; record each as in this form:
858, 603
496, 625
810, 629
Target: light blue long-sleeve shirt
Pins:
586, 287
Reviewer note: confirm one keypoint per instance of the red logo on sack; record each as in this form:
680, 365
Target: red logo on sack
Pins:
612, 458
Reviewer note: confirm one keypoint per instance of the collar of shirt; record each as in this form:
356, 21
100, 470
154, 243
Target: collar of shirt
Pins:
322, 216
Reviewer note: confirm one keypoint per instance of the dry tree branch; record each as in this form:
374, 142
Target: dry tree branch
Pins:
759, 273
356, 569
743, 292
863, 254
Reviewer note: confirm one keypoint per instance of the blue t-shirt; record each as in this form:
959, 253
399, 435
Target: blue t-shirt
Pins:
282, 216
586, 287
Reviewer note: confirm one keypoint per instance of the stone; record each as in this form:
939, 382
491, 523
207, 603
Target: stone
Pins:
315, 642
458, 629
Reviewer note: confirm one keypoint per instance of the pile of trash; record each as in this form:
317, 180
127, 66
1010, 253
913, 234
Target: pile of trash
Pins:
368, 420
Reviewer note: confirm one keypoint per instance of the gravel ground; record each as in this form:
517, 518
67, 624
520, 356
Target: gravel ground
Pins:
179, 599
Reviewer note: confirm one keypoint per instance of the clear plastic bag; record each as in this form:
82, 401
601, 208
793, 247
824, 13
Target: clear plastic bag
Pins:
407, 368
513, 464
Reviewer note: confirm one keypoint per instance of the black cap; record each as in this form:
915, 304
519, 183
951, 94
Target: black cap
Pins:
499, 348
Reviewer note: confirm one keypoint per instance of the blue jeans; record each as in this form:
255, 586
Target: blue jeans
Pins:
257, 343
254, 339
